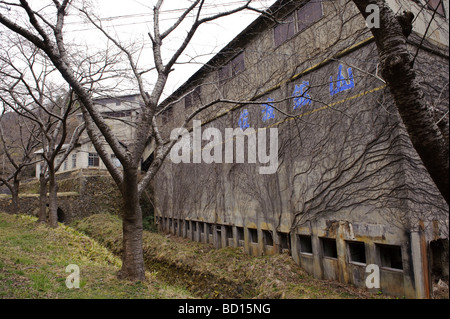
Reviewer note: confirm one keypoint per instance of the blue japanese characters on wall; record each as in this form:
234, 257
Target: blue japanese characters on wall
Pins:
301, 96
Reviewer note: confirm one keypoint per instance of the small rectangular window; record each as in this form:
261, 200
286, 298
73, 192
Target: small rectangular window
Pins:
93, 160
253, 235
390, 256
229, 232
308, 14
284, 30
305, 244
356, 252
237, 64
329, 247
74, 160
210, 228
268, 239
240, 234
65, 164
193, 98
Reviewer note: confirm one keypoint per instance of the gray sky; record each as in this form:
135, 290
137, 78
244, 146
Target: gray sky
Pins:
131, 21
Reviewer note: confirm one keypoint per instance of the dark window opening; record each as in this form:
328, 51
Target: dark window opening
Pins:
329, 247
357, 252
61, 215
194, 226
211, 227
305, 244
390, 256
118, 114
240, 234
268, 239
253, 235
229, 232
201, 227
284, 240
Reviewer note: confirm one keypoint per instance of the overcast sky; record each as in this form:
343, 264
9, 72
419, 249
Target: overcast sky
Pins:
132, 20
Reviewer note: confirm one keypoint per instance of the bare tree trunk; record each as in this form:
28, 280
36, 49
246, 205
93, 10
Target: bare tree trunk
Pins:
42, 199
15, 196
397, 70
132, 257
52, 200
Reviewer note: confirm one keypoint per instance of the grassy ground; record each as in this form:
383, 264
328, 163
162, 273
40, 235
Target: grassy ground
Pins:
33, 260
220, 273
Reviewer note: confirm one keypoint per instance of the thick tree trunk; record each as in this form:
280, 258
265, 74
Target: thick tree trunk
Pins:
397, 70
42, 217
52, 201
133, 267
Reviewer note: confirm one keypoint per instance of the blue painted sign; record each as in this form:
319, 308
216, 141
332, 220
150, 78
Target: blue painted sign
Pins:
303, 97
342, 83
243, 120
268, 111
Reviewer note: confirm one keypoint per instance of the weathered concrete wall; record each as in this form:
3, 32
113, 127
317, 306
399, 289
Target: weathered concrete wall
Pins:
349, 190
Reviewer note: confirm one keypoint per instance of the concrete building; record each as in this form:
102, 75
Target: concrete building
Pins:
349, 198
120, 113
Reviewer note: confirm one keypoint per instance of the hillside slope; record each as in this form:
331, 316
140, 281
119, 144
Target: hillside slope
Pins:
33, 261
219, 273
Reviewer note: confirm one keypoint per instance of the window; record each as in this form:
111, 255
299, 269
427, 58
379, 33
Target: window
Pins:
268, 239
167, 115
329, 247
390, 256
436, 5
253, 235
284, 240
229, 232
240, 234
297, 21
237, 64
356, 252
93, 160
284, 31
65, 165
118, 113
234, 67
74, 160
305, 244
308, 14
192, 98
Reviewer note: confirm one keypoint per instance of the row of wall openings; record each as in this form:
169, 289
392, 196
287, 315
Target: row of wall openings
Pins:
390, 256
172, 224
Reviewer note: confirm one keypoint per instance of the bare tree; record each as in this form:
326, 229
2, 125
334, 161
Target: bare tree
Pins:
18, 146
26, 88
397, 69
46, 33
